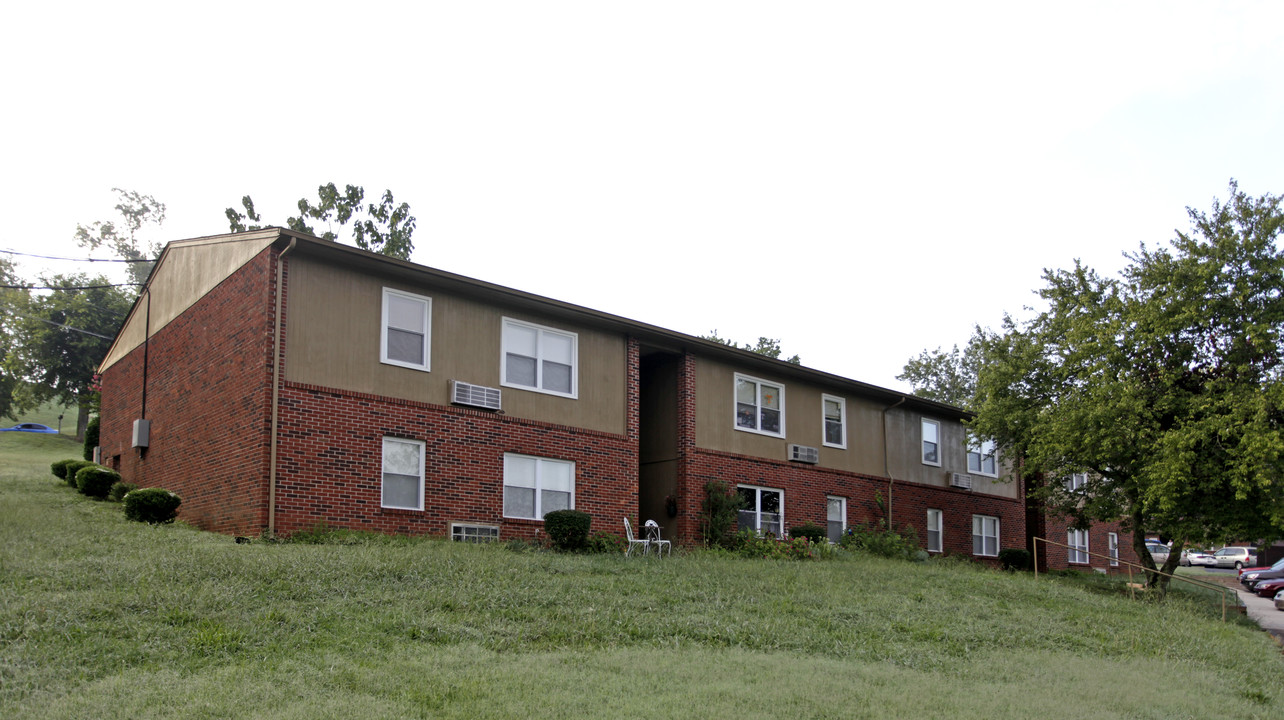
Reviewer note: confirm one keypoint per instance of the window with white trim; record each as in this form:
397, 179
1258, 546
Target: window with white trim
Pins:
1112, 548
935, 531
1078, 542
760, 406
539, 358
931, 443
834, 410
402, 484
985, 535
764, 510
982, 458
535, 486
405, 338
1076, 481
835, 517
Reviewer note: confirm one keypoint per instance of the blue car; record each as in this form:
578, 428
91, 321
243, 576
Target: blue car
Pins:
30, 427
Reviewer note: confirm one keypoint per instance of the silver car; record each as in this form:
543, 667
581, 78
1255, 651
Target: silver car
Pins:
1236, 557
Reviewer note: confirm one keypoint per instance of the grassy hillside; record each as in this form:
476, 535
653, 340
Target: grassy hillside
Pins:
104, 618
47, 414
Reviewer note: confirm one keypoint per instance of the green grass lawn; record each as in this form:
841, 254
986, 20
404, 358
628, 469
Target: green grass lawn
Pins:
103, 618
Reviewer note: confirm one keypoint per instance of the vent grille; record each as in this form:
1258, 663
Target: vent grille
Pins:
463, 393
959, 480
804, 454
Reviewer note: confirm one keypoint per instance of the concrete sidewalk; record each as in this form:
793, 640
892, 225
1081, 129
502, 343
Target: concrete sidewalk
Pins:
1263, 612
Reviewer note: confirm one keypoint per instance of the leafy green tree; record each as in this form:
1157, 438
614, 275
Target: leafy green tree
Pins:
386, 227
766, 346
948, 377
1165, 384
59, 338
136, 211
11, 299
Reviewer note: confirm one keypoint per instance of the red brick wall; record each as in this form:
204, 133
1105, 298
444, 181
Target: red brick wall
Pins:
806, 487
1055, 557
208, 395
330, 453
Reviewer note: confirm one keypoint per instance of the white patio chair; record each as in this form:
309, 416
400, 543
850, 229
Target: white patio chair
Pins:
652, 529
634, 541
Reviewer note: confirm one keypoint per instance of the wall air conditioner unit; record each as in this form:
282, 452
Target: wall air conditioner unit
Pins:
959, 480
142, 433
462, 393
804, 454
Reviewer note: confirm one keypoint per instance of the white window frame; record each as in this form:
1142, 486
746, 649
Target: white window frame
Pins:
935, 518
842, 505
757, 414
757, 508
1112, 548
541, 331
419, 445
1075, 482
923, 441
426, 329
979, 531
977, 448
541, 464
824, 421
1077, 553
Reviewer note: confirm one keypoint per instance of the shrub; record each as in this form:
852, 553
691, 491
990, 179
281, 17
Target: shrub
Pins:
72, 467
91, 437
119, 490
748, 543
1014, 558
59, 468
606, 543
568, 529
719, 512
152, 505
882, 541
809, 530
96, 481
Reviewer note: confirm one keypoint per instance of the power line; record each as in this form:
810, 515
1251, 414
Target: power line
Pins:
50, 257
51, 322
60, 287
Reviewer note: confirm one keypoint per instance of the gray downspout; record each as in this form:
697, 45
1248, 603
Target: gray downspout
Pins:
886, 471
276, 387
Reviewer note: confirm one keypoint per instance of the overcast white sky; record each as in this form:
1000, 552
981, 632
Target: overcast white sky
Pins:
860, 180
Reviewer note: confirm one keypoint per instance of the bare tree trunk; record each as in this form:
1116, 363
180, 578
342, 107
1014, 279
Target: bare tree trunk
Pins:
82, 420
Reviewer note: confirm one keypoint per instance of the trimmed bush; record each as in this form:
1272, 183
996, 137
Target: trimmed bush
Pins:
120, 490
96, 481
91, 437
152, 505
59, 468
72, 467
809, 530
568, 529
1014, 558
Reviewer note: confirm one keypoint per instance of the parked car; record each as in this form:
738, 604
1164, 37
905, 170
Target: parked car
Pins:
1158, 551
1269, 588
30, 427
1245, 572
1236, 557
1252, 579
1279, 601
1193, 557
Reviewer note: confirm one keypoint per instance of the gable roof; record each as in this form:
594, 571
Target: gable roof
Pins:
188, 269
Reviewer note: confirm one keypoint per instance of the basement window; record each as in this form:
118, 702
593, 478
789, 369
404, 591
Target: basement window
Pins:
460, 532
